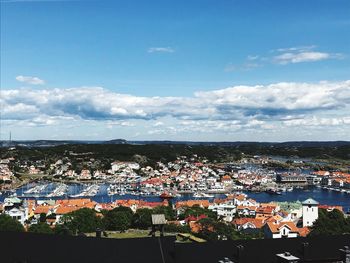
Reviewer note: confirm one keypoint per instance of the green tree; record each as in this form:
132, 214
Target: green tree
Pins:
42, 218
196, 210
122, 221
207, 229
62, 230
225, 231
172, 228
212, 230
7, 223
119, 219
83, 220
330, 223
42, 228
142, 218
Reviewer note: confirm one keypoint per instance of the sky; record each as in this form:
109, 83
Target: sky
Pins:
197, 70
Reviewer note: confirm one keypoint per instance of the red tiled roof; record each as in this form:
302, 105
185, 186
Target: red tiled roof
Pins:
62, 210
275, 228
331, 207
190, 203
258, 223
195, 218
265, 210
304, 231
42, 209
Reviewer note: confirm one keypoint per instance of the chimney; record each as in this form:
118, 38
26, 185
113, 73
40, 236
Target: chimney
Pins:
98, 232
345, 254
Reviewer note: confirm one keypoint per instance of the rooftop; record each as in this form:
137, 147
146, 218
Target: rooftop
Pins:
310, 201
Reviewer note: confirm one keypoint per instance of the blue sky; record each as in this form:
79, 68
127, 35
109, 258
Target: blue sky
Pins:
117, 56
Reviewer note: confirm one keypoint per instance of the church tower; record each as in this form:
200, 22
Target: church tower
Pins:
310, 212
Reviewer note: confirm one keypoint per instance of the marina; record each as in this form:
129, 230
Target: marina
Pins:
59, 191
89, 191
111, 192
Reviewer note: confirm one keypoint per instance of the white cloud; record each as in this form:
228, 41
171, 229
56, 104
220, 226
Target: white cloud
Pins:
296, 49
112, 124
230, 110
319, 121
161, 50
158, 124
287, 58
248, 65
250, 57
302, 54
284, 56
278, 99
30, 80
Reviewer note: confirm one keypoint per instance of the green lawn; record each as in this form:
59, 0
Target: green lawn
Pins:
131, 233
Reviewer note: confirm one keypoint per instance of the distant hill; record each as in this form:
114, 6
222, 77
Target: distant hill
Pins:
154, 151
243, 143
50, 143
116, 141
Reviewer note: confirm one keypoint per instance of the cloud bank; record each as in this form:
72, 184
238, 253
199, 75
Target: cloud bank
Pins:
259, 107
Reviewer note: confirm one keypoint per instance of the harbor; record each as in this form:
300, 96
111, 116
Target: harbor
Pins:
110, 192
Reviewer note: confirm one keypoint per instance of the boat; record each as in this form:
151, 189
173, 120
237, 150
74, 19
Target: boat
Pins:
290, 189
166, 195
89, 191
273, 192
36, 189
203, 195
114, 189
60, 190
283, 189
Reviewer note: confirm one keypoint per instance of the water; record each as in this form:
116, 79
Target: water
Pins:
323, 196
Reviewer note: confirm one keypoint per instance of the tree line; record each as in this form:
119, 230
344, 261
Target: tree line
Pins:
121, 218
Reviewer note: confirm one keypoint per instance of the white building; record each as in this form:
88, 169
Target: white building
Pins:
280, 230
15, 208
116, 166
19, 214
310, 212
227, 210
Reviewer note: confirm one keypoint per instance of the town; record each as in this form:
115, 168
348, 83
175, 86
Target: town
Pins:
199, 199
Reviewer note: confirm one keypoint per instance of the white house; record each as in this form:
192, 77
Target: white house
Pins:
226, 209
310, 212
19, 214
294, 215
280, 230
116, 166
14, 207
